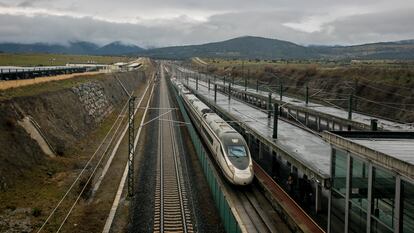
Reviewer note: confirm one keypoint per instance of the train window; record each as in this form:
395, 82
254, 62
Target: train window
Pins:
236, 151
206, 110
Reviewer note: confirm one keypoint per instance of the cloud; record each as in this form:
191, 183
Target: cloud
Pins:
373, 27
29, 3
181, 22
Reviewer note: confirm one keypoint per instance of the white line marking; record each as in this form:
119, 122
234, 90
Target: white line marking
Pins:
115, 204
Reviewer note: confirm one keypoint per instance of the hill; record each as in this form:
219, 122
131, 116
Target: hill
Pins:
403, 50
119, 48
247, 47
242, 47
264, 48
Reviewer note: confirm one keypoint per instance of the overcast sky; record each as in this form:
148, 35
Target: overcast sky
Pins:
156, 23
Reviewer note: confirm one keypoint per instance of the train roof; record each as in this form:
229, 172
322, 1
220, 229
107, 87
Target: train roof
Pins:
218, 125
184, 90
200, 106
192, 98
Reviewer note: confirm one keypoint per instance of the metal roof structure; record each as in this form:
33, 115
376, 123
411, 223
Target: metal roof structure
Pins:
302, 148
393, 150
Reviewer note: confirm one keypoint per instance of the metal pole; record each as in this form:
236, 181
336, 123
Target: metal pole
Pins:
257, 85
281, 91
307, 94
197, 82
229, 91
269, 106
350, 107
374, 124
245, 88
208, 85
131, 147
243, 69
215, 92
275, 119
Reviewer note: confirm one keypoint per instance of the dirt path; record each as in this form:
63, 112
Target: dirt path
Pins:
25, 82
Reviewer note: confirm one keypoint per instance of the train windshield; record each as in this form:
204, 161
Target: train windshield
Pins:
237, 151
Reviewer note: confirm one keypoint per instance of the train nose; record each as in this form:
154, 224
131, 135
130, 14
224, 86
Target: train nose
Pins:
243, 177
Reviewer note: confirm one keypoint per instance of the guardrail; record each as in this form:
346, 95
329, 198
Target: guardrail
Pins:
314, 119
229, 221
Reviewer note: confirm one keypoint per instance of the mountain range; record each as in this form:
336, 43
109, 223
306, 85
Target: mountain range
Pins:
242, 47
80, 47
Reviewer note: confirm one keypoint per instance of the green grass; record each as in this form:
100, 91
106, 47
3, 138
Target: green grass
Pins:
9, 59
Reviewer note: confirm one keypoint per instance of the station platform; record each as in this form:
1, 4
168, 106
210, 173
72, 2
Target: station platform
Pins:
305, 150
337, 117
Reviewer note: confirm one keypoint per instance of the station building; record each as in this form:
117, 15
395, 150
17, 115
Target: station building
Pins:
372, 182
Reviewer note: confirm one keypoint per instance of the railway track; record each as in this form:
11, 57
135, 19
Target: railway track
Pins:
253, 210
252, 200
172, 210
255, 213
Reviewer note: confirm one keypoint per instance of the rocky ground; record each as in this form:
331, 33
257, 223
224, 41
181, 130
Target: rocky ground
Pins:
74, 114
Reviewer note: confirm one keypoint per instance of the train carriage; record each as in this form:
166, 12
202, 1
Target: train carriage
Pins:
227, 146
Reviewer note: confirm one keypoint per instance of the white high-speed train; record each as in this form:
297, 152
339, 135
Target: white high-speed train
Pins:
227, 146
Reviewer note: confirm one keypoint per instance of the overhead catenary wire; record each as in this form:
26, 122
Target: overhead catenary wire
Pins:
96, 167
305, 126
89, 179
388, 92
349, 84
371, 115
379, 103
383, 83
83, 170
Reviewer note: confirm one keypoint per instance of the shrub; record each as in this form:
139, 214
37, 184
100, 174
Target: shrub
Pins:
36, 212
9, 123
11, 207
60, 149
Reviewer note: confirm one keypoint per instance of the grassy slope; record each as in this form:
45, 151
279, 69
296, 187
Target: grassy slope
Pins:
399, 74
42, 186
8, 59
32, 90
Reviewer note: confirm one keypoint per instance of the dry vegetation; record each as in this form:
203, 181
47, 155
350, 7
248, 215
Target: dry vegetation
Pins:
36, 183
383, 88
